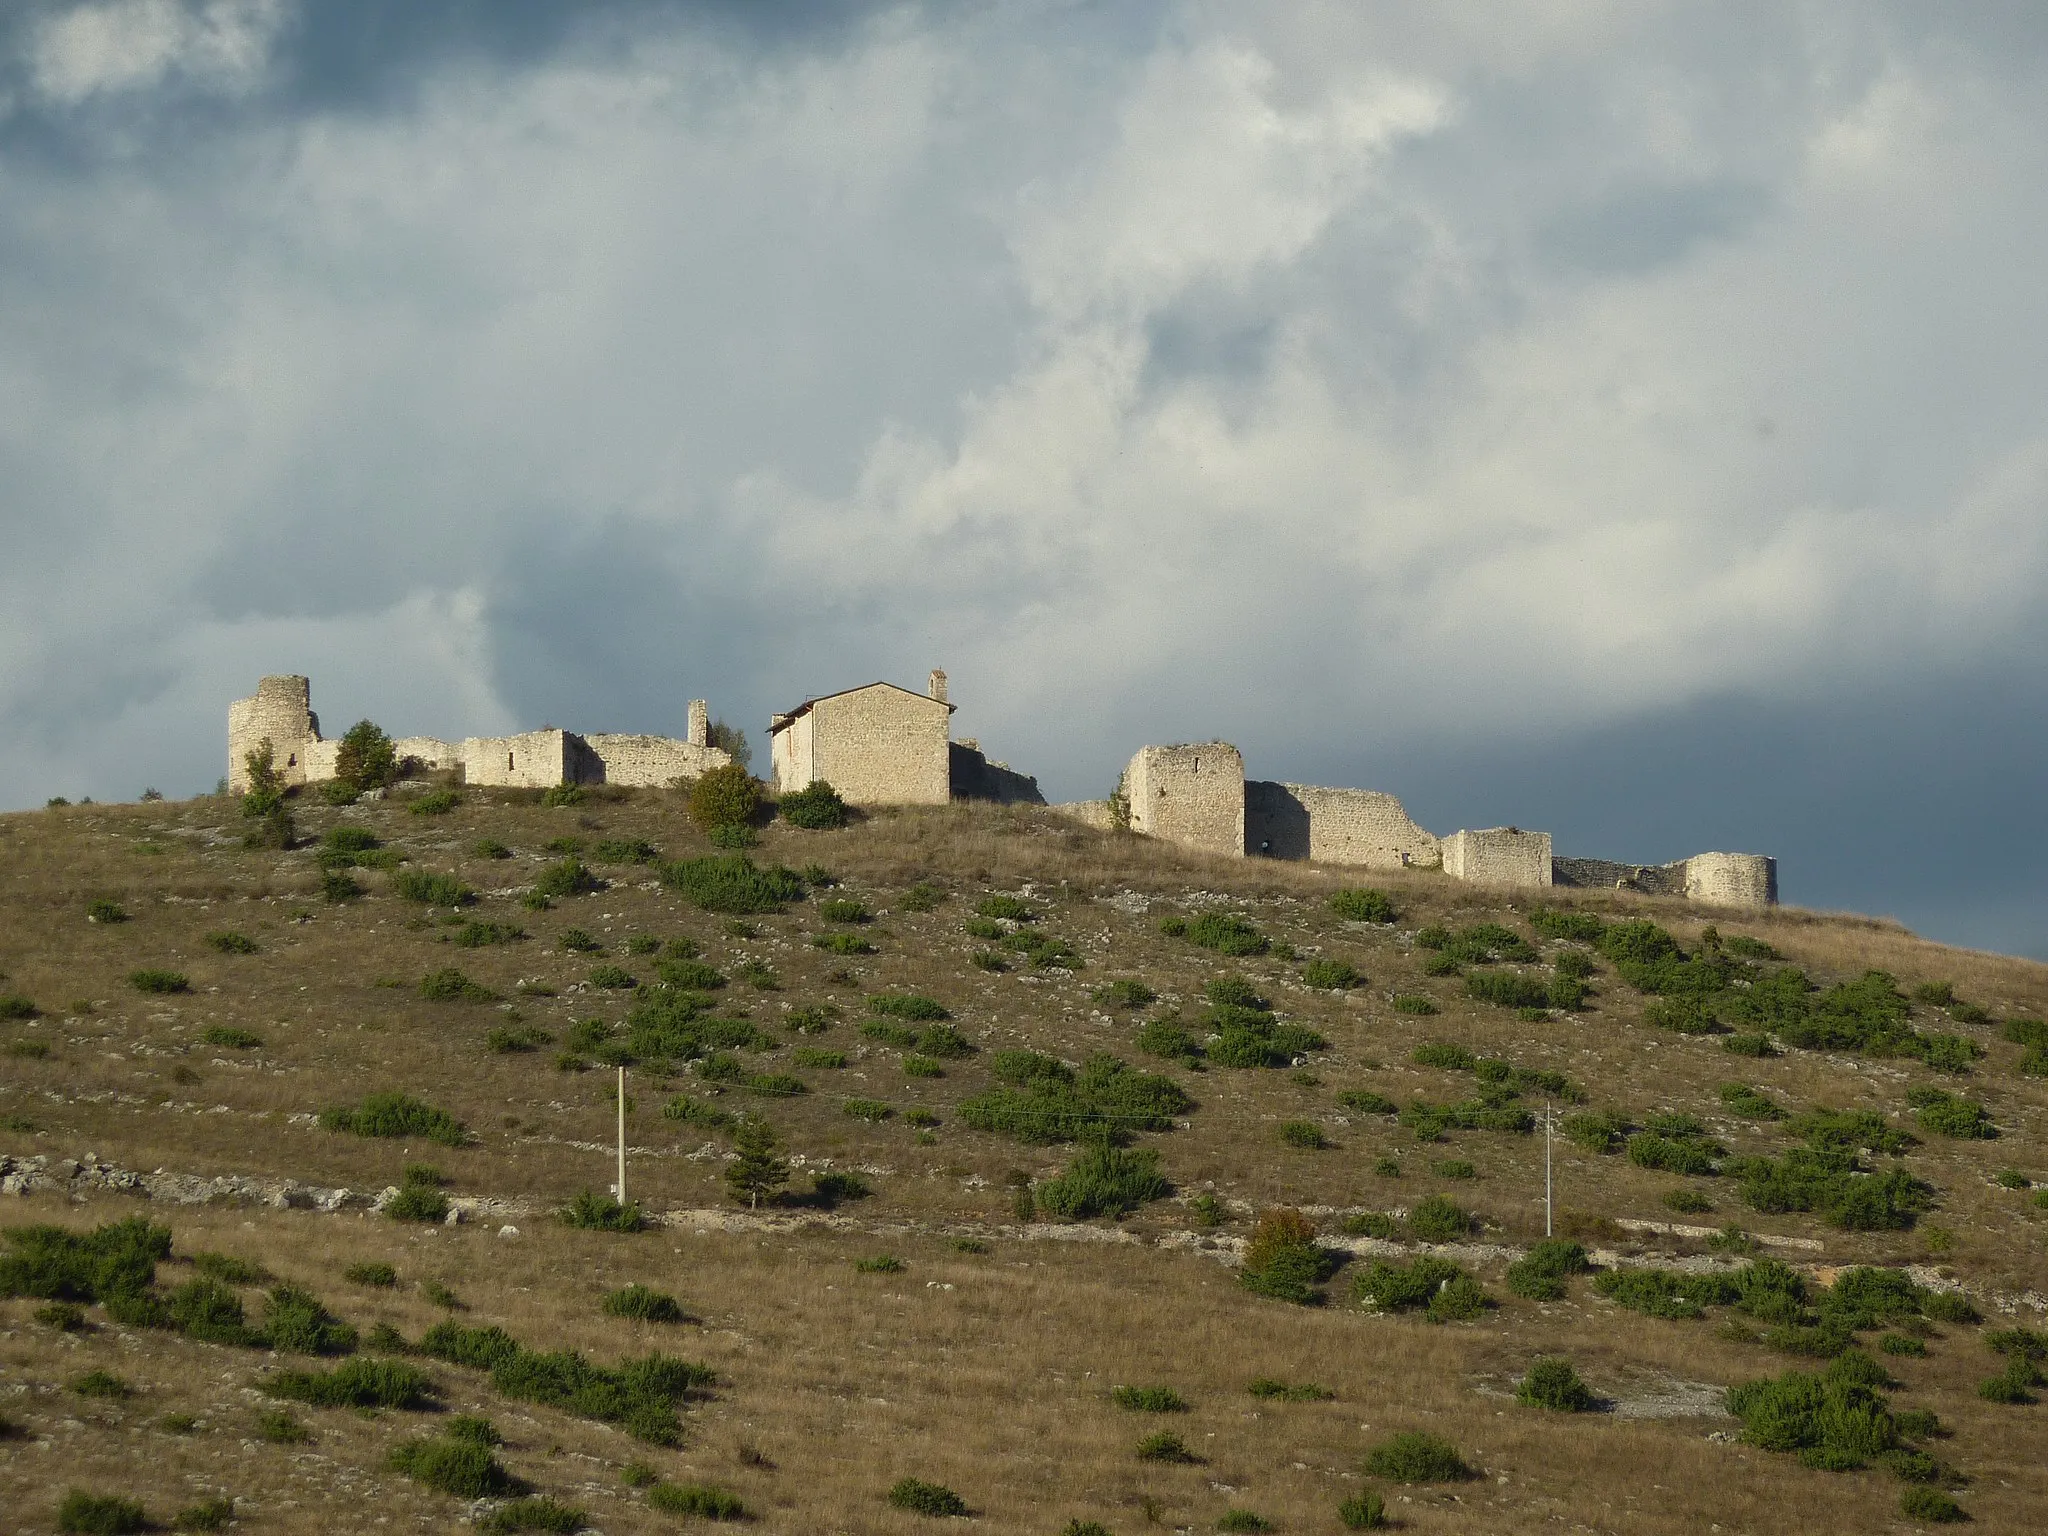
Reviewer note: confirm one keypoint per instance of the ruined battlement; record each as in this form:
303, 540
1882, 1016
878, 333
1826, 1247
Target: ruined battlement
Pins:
280, 712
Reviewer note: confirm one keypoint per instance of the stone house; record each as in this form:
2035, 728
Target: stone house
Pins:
877, 745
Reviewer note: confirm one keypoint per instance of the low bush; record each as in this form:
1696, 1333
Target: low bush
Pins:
842, 909
1043, 1100
1540, 1274
159, 981
1125, 992
229, 942
907, 1005
1665, 1293
698, 1499
1242, 1521
1555, 1385
481, 935
873, 1111
566, 877
1391, 1287
370, 1274
417, 1202
1364, 1101
1167, 1447
879, 1264
643, 1304
397, 1114
1921, 1502
601, 1213
53, 1263
458, 1467
1284, 1261
101, 1384
207, 1515
99, 1514
449, 985
1750, 1103
1148, 1399
815, 808
1363, 1512
1687, 1202
295, 1321
532, 1514
1509, 989
231, 1037
1103, 1180
625, 850
842, 944
435, 802
1304, 1135
517, 1039
1438, 1219
1417, 1457
1167, 1039
1330, 976
1364, 905
1226, 933
922, 1498
280, 1426
1272, 1390
357, 1384
432, 890
1947, 1115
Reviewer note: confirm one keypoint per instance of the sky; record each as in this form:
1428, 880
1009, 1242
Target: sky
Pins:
1627, 420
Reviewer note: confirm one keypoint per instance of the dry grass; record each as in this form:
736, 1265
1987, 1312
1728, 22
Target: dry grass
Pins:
842, 1382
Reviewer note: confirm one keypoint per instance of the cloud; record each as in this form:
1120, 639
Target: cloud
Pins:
1360, 383
132, 45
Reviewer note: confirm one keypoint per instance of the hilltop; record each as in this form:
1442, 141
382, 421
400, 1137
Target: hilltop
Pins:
1037, 1088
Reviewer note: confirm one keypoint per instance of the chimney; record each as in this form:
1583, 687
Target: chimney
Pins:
700, 723
938, 685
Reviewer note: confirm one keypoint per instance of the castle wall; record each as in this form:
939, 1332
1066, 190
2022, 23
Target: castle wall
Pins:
431, 753
973, 777
1609, 875
878, 745
1499, 856
1192, 795
281, 712
1099, 814
536, 760
1748, 880
651, 762
1361, 827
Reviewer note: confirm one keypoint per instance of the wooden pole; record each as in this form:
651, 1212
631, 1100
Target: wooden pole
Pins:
622, 1135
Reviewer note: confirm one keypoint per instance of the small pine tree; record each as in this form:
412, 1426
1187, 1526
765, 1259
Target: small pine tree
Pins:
757, 1171
732, 741
366, 759
266, 784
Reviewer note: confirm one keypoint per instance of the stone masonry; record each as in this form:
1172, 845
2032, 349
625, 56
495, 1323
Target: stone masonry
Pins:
281, 713
1364, 827
877, 745
1499, 856
1192, 795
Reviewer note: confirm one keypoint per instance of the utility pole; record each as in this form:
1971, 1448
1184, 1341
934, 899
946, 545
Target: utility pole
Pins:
622, 1135
1548, 1120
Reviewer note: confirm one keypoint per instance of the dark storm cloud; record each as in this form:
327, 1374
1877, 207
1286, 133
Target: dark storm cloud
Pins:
1597, 417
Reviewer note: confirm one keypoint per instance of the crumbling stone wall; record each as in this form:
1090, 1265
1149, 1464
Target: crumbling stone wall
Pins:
281, 712
1747, 880
1192, 795
877, 745
430, 753
1499, 856
1610, 875
1362, 827
533, 760
650, 762
974, 777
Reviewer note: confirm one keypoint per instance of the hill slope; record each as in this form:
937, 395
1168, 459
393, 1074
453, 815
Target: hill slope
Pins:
929, 1069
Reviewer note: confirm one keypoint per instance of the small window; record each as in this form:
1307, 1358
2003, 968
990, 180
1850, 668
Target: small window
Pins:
292, 761
508, 762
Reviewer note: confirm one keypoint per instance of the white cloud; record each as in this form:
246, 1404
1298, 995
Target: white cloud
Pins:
130, 45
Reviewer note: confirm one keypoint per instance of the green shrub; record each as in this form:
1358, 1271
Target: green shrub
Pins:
1282, 1260
1930, 1504
1226, 933
842, 944
97, 1514
159, 981
370, 1274
1304, 1135
556, 796
13, 1006
1364, 905
457, 1467
1365, 1102
449, 985
417, 1202
873, 1111
101, 1384
1167, 1447
696, 1499
1438, 1219
357, 1384
481, 935
643, 1305
1330, 975
1687, 1202
1392, 1287
53, 1263
231, 1037
922, 1498
1835, 1420
1268, 1388
613, 978
1125, 992
1412, 1004
1664, 1293
1103, 1180
296, 1322
1045, 1101
1148, 1399
366, 758
1416, 1457
1748, 1102
1458, 1300
625, 850
1363, 1512
842, 909
533, 1514
430, 889
207, 1515
1553, 923
1444, 1055
1946, 1115
1168, 1040
907, 1005
105, 912
601, 1213
726, 796
566, 877
397, 1114
816, 808
1242, 1520
1555, 1385
522, 1038
228, 942
1508, 989
280, 1426
1541, 1273
1674, 1154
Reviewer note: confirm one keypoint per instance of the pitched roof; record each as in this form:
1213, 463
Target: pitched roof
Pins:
784, 719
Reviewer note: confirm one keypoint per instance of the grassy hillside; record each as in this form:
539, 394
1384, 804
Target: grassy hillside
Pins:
959, 1033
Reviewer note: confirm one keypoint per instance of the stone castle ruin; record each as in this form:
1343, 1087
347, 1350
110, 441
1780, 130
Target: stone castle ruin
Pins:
1197, 796
881, 744
281, 713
